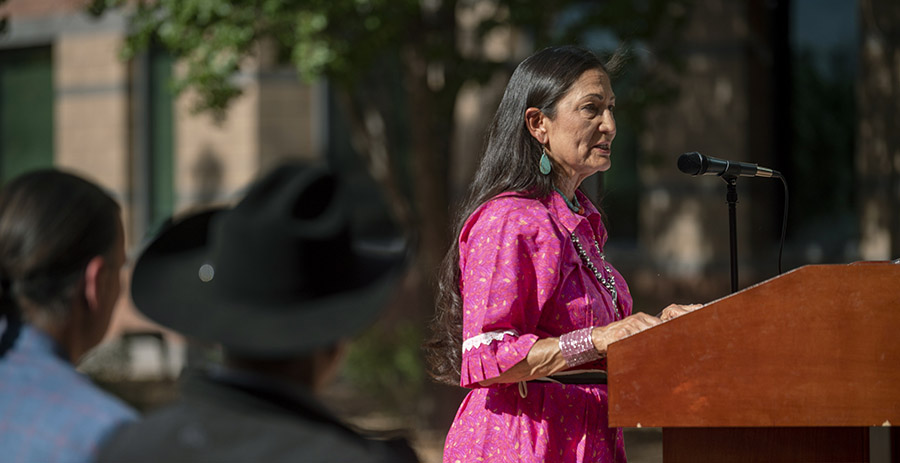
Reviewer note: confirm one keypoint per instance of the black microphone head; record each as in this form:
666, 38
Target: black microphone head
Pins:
691, 163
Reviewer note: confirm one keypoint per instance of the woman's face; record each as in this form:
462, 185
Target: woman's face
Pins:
580, 136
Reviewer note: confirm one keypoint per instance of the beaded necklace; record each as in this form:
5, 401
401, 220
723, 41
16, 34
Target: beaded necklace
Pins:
608, 283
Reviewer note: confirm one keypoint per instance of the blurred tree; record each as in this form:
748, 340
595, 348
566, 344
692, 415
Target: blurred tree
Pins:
397, 67
345, 41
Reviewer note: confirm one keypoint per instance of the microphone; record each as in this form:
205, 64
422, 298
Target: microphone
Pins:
694, 163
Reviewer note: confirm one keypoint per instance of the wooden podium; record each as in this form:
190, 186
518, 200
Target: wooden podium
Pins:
796, 368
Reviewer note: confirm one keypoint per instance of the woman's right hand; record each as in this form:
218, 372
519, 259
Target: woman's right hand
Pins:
677, 310
603, 336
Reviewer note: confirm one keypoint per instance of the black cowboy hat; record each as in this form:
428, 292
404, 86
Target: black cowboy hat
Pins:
284, 272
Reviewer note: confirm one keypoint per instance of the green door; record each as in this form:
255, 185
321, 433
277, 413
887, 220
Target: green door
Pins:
26, 110
161, 136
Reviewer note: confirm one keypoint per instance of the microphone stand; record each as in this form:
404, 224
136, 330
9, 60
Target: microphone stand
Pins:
731, 198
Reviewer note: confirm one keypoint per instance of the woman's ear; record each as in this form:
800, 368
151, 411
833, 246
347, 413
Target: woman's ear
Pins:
92, 276
535, 121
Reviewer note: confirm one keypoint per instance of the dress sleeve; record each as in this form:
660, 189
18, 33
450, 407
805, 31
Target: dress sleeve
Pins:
509, 268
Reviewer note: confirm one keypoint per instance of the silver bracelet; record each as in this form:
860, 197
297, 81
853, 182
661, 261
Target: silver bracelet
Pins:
577, 347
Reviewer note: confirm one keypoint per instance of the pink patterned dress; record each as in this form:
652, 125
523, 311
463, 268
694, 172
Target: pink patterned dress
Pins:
522, 280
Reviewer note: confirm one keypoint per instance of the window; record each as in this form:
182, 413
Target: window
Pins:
824, 58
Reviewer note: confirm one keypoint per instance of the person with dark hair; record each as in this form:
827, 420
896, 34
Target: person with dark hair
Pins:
62, 248
280, 282
527, 301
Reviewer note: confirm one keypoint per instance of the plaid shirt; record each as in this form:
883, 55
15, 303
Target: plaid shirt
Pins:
49, 412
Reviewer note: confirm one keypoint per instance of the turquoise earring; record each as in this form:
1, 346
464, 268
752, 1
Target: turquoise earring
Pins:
545, 163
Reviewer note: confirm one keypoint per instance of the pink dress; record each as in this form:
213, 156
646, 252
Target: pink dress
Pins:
522, 280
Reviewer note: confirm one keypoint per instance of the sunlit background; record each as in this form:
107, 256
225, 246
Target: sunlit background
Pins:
177, 112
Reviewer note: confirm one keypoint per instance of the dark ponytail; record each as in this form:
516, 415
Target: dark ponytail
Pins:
10, 315
52, 224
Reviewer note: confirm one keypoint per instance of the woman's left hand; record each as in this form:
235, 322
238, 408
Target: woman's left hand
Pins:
677, 310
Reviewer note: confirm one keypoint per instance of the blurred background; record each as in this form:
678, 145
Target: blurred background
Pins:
177, 105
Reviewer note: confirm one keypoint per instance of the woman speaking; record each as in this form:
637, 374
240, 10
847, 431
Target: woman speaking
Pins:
528, 302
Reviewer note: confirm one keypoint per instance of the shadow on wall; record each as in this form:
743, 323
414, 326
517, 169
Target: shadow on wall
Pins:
207, 174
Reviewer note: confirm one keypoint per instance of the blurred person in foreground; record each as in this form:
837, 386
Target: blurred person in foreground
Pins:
61, 254
528, 302
280, 282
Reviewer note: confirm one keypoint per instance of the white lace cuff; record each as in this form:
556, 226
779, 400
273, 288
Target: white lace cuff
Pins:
485, 338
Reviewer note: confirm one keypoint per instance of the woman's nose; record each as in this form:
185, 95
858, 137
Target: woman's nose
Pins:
608, 125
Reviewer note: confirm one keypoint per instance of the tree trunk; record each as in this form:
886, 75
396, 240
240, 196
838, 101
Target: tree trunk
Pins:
430, 124
878, 164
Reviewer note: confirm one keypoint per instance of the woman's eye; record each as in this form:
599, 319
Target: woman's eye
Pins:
589, 108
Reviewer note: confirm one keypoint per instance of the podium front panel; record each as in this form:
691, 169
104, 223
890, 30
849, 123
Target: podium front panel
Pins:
818, 346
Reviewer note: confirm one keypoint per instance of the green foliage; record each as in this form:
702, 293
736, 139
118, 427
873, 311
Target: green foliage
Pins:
386, 364
331, 38
342, 39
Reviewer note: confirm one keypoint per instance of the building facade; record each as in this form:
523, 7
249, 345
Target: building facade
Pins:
806, 87
68, 99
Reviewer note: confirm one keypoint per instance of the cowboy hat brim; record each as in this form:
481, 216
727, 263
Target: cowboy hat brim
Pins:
169, 287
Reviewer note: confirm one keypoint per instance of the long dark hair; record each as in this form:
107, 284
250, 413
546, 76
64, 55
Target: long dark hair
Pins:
52, 224
510, 163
